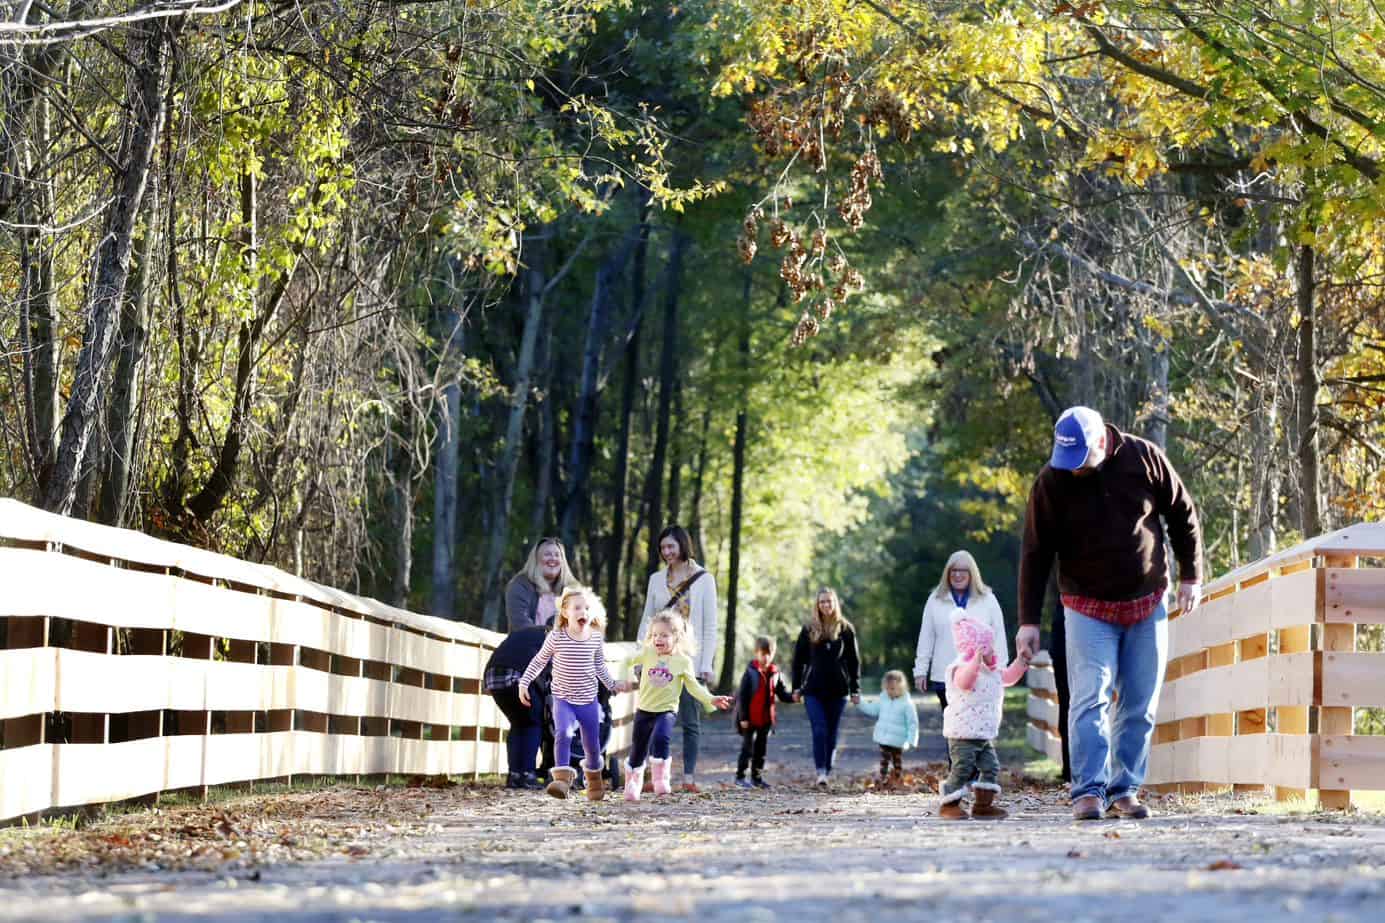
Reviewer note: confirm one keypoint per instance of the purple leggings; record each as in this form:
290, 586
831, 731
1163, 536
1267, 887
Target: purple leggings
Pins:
566, 717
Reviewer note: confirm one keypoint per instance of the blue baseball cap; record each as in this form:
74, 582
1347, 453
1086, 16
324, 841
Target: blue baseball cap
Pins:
1077, 432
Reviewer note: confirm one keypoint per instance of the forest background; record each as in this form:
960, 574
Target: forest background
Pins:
381, 292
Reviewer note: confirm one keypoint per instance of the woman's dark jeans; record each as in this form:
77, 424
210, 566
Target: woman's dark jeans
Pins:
526, 726
824, 715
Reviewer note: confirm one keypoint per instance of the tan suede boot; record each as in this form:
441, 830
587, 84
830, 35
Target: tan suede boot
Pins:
953, 810
562, 781
985, 806
596, 786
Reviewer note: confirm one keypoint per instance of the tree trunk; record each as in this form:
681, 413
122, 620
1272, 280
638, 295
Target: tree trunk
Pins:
1264, 473
575, 501
1310, 477
676, 444
1157, 431
728, 660
114, 505
695, 517
547, 448
444, 595
112, 266
668, 375
38, 306
514, 435
629, 385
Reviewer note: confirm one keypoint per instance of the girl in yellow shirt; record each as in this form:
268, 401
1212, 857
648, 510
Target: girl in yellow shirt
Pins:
663, 669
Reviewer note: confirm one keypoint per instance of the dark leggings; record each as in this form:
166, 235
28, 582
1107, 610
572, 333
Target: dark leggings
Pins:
526, 726
652, 736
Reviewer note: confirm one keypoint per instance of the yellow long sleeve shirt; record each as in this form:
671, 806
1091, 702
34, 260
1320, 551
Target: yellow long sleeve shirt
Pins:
663, 679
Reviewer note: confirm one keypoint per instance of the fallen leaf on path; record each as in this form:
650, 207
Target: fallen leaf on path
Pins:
1222, 865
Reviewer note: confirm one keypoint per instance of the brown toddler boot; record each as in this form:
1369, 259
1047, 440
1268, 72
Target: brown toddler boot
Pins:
953, 810
562, 781
985, 806
596, 786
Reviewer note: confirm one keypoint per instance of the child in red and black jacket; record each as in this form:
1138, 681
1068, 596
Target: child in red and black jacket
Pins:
760, 685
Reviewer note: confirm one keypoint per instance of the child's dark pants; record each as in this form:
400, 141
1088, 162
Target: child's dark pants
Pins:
754, 742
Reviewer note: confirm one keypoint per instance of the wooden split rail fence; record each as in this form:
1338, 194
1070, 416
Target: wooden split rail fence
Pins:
131, 666
1270, 678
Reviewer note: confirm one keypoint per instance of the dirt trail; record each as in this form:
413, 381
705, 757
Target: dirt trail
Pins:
793, 853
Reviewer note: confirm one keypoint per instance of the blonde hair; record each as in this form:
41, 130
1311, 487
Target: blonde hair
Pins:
830, 628
894, 676
596, 613
683, 642
533, 569
977, 587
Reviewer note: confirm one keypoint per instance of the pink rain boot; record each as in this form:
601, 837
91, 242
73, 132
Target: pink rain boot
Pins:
634, 782
661, 770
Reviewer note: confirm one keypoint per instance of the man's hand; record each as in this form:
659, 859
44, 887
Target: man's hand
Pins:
524, 697
921, 683
745, 725
856, 699
1189, 595
722, 701
1027, 640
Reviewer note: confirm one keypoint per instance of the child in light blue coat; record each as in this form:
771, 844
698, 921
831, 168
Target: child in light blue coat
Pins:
896, 725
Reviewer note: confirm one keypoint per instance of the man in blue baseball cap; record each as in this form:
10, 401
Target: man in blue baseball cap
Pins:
1102, 508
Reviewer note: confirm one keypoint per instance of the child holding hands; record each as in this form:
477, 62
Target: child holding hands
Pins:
578, 653
663, 668
896, 725
760, 685
971, 721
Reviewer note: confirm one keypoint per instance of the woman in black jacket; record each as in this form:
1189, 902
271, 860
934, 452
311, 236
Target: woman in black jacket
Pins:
826, 669
501, 680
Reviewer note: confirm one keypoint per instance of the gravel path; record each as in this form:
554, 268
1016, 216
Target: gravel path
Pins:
849, 854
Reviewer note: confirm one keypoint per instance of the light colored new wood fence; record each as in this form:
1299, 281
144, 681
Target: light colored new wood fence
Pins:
1266, 677
132, 666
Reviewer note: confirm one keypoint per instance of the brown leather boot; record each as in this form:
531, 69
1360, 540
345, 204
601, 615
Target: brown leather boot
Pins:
1088, 807
953, 810
562, 781
1128, 808
596, 786
985, 806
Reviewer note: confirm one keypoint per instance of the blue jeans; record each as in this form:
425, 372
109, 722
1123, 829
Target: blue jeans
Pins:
824, 715
1110, 751
652, 736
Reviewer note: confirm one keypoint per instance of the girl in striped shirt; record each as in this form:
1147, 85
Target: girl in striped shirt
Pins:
577, 650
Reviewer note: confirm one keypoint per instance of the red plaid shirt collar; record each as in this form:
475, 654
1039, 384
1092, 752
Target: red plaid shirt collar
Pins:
1125, 612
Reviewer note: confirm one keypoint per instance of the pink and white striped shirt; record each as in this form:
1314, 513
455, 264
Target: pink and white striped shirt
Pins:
577, 665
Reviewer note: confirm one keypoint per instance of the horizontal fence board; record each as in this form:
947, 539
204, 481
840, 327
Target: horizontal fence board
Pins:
1254, 759
1355, 595
1041, 678
1046, 742
27, 679
1045, 711
1280, 680
26, 780
1353, 679
93, 773
43, 583
1352, 762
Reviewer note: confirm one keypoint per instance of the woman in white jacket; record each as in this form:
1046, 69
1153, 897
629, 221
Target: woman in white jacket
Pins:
685, 586
961, 586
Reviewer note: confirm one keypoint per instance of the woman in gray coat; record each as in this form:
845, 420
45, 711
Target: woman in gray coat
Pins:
531, 595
